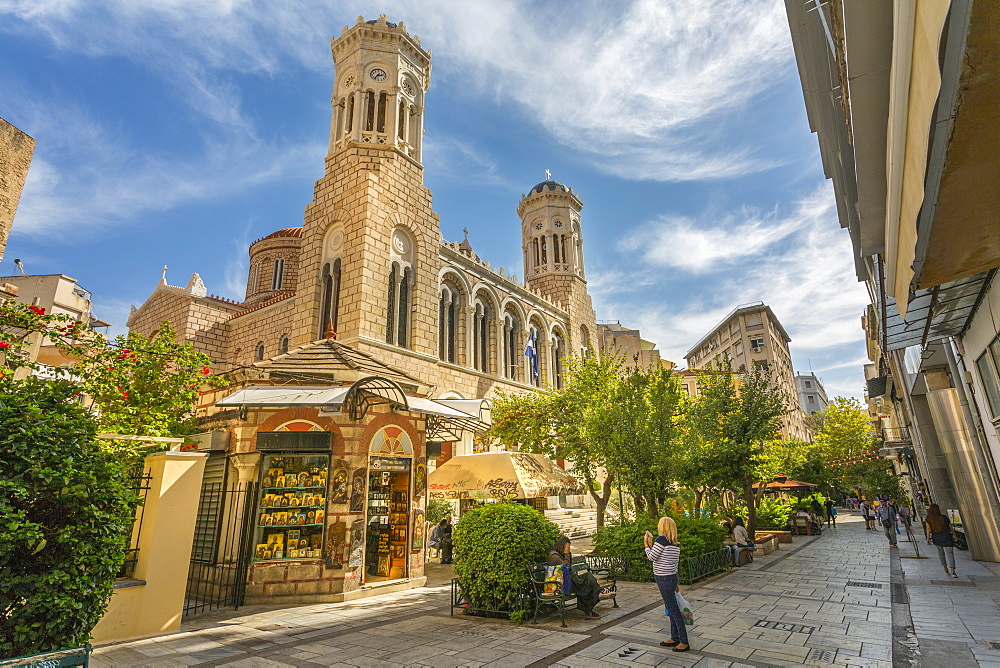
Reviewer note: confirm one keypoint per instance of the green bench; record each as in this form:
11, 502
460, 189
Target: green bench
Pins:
74, 656
550, 594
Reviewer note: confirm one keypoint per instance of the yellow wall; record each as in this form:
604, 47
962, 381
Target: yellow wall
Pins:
164, 552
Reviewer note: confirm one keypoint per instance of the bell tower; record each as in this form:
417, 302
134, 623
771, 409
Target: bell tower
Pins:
370, 240
552, 242
381, 76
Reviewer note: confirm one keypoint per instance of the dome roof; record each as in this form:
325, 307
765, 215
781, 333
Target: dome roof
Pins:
388, 23
549, 184
287, 232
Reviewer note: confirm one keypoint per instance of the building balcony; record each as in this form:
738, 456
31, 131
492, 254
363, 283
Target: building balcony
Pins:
895, 437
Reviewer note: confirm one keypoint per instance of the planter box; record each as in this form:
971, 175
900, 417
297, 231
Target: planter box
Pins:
781, 536
766, 543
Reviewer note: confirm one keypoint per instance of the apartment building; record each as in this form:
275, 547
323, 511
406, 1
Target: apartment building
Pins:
751, 336
812, 394
918, 196
629, 344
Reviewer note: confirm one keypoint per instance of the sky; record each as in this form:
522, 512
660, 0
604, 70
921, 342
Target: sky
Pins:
176, 132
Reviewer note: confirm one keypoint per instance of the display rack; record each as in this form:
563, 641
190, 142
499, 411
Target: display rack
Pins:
291, 512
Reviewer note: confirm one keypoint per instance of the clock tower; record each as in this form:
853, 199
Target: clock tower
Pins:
552, 243
370, 236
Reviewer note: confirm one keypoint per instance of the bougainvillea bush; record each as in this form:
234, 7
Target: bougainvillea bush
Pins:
66, 512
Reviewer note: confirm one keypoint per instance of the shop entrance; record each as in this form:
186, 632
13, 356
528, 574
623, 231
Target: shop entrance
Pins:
388, 519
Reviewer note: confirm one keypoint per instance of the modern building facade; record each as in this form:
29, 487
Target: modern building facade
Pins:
16, 149
812, 394
902, 97
366, 347
751, 336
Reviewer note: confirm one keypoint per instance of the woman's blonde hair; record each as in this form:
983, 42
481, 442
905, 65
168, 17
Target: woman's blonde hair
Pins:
668, 529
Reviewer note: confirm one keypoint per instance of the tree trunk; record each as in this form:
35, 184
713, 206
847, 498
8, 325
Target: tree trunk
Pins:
640, 505
751, 500
602, 499
652, 508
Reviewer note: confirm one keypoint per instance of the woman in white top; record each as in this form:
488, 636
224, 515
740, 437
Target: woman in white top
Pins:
665, 554
740, 537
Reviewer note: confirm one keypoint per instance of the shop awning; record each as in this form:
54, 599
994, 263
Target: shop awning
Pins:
445, 420
501, 475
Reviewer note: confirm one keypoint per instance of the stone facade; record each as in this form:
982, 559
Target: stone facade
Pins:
16, 149
370, 237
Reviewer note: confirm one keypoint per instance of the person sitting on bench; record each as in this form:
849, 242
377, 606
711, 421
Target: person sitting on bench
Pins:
585, 586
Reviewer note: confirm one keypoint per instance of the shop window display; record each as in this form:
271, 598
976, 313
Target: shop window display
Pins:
292, 509
388, 518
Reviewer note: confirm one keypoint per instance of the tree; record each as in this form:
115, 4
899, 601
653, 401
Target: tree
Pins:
643, 414
569, 423
736, 424
24, 327
67, 512
146, 386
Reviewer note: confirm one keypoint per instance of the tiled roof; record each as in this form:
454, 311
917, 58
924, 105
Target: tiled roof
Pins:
281, 296
327, 360
286, 232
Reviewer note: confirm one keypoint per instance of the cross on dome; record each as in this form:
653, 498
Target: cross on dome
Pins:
548, 175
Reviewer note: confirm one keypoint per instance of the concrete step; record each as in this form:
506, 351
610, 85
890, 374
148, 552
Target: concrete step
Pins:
574, 522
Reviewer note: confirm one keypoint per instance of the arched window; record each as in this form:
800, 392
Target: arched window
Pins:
403, 333
370, 111
481, 324
562, 248
330, 297
350, 113
413, 134
558, 351
283, 345
390, 316
340, 118
535, 365
534, 245
448, 310
259, 354
555, 248
380, 126
278, 275
544, 259
252, 281
402, 120
511, 339
585, 350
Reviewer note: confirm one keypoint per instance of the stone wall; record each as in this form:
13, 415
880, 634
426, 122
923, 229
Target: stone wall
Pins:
16, 149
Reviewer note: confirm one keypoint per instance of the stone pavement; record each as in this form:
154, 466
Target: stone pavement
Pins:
838, 599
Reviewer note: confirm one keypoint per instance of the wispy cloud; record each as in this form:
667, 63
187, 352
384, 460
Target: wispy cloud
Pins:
651, 89
450, 157
800, 264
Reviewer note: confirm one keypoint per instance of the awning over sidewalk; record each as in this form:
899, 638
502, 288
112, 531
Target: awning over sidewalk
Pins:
445, 419
500, 475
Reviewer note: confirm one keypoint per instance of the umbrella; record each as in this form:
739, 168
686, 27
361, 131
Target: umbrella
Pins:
788, 485
500, 475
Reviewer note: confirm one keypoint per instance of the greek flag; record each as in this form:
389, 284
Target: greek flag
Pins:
532, 354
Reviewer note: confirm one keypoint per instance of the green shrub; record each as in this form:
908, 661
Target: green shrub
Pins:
696, 536
494, 547
67, 512
773, 514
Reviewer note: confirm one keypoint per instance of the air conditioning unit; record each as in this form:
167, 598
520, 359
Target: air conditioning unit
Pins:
756, 349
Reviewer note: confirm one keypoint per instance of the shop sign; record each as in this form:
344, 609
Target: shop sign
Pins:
390, 464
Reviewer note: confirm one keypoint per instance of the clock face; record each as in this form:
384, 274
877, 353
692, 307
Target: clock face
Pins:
538, 226
377, 74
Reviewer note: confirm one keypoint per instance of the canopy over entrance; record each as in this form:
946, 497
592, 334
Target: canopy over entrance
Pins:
788, 485
501, 475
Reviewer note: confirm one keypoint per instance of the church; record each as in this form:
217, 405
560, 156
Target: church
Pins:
367, 347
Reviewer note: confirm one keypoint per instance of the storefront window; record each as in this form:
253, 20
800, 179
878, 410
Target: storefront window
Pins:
388, 518
292, 507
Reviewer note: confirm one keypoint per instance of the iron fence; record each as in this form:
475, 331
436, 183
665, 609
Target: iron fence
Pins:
140, 483
896, 434
697, 568
639, 569
220, 562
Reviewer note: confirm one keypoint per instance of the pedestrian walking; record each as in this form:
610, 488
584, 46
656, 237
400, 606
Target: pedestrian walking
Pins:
940, 533
866, 512
665, 554
887, 516
831, 513
905, 515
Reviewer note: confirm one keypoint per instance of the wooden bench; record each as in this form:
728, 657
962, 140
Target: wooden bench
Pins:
550, 593
73, 656
801, 526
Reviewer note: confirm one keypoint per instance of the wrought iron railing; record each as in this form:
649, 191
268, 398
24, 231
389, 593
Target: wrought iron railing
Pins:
697, 568
895, 434
639, 569
140, 484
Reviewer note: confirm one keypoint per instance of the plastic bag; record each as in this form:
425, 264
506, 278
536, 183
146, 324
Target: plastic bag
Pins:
685, 610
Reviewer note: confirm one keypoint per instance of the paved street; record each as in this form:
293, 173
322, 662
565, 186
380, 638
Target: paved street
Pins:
839, 599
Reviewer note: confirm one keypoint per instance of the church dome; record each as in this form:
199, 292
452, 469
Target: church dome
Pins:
287, 232
549, 184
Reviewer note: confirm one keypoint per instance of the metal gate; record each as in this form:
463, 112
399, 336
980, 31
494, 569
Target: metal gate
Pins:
220, 555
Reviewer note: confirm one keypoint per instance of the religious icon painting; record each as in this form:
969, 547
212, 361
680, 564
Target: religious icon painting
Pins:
358, 482
418, 530
356, 554
339, 482
336, 539
419, 481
